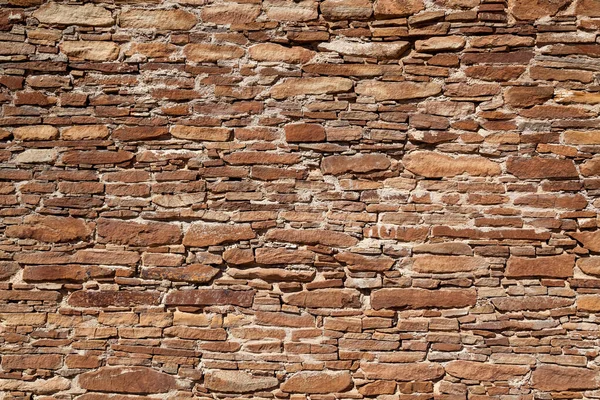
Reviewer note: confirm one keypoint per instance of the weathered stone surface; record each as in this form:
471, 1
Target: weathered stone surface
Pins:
549, 266
138, 234
277, 255
35, 156
589, 239
197, 273
437, 165
105, 298
208, 234
312, 236
200, 133
292, 87
200, 52
304, 133
136, 380
52, 13
79, 50
538, 167
314, 382
8, 269
230, 13
397, 90
589, 265
590, 303
272, 274
392, 9
346, 9
75, 273
357, 263
324, 298
438, 44
37, 132
480, 371
38, 386
424, 371
279, 53
447, 264
383, 51
558, 378
26, 361
50, 229
237, 382
533, 303
157, 19
525, 96
360, 163
532, 10
85, 132
96, 157
203, 297
423, 298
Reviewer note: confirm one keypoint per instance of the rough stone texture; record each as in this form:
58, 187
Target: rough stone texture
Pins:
311, 199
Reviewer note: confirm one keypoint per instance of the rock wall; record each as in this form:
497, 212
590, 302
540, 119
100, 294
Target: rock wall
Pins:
285, 199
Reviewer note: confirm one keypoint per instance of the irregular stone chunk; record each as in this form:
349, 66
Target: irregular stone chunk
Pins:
137, 380
84, 15
106, 298
314, 382
534, 9
95, 157
312, 236
8, 269
358, 263
105, 257
539, 168
590, 8
272, 274
385, 9
138, 234
201, 52
197, 273
590, 303
590, 167
424, 371
589, 265
423, 298
455, 249
238, 256
557, 378
359, 163
283, 10
346, 9
382, 51
157, 19
447, 264
277, 255
324, 298
582, 137
533, 303
237, 382
35, 156
304, 86
74, 273
525, 96
90, 50
397, 90
304, 133
230, 13
209, 234
438, 44
548, 266
203, 297
279, 53
480, 371
201, 133
436, 165
38, 386
35, 132
26, 361
85, 132
50, 229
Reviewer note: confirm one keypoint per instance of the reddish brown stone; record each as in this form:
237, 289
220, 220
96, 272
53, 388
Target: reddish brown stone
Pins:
205, 297
314, 382
437, 165
27, 361
480, 371
304, 133
198, 273
358, 263
312, 236
276, 255
96, 157
527, 96
138, 234
422, 298
423, 371
558, 378
74, 273
447, 264
360, 163
589, 239
547, 267
324, 298
137, 380
104, 298
539, 168
50, 229
207, 234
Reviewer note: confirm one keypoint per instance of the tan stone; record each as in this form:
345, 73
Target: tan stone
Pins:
157, 19
35, 132
137, 380
284, 10
529, 10
437, 165
546, 266
85, 132
590, 303
88, 14
230, 13
201, 52
413, 298
557, 378
200, 133
272, 274
324, 298
581, 137
423, 371
570, 97
379, 50
50, 229
397, 90
392, 9
346, 9
210, 234
448, 264
531, 303
591, 167
359, 263
315, 382
360, 163
38, 386
312, 236
36, 156
479, 371
279, 53
589, 265
238, 382
292, 87
439, 44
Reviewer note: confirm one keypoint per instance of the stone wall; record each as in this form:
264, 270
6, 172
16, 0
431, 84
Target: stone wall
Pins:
286, 199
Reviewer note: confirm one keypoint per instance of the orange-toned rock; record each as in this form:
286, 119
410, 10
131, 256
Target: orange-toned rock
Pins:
292, 87
447, 264
530, 303
531, 10
312, 236
279, 53
105, 298
589, 265
413, 298
480, 371
27, 361
437, 165
423, 371
360, 163
89, 50
359, 263
527, 96
589, 239
135, 380
197, 273
209, 234
50, 229
202, 52
397, 90
231, 13
315, 382
157, 19
204, 297
95, 157
85, 132
590, 303
558, 378
546, 266
272, 274
200, 133
324, 298
277, 255
539, 168
237, 382
304, 133
346, 9
138, 234
391, 9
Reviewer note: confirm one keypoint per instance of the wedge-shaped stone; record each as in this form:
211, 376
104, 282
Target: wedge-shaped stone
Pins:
137, 380
413, 298
157, 19
589, 265
201, 133
80, 50
555, 378
84, 15
238, 382
479, 371
138, 234
589, 239
202, 52
398, 90
279, 53
209, 234
292, 87
204, 297
312, 236
379, 50
532, 303
541, 267
448, 264
436, 165
50, 229
315, 382
359, 163
423, 371
532, 10
324, 298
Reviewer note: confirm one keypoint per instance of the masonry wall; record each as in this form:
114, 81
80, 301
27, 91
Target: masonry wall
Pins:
292, 199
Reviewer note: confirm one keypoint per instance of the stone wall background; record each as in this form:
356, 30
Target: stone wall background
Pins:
282, 199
